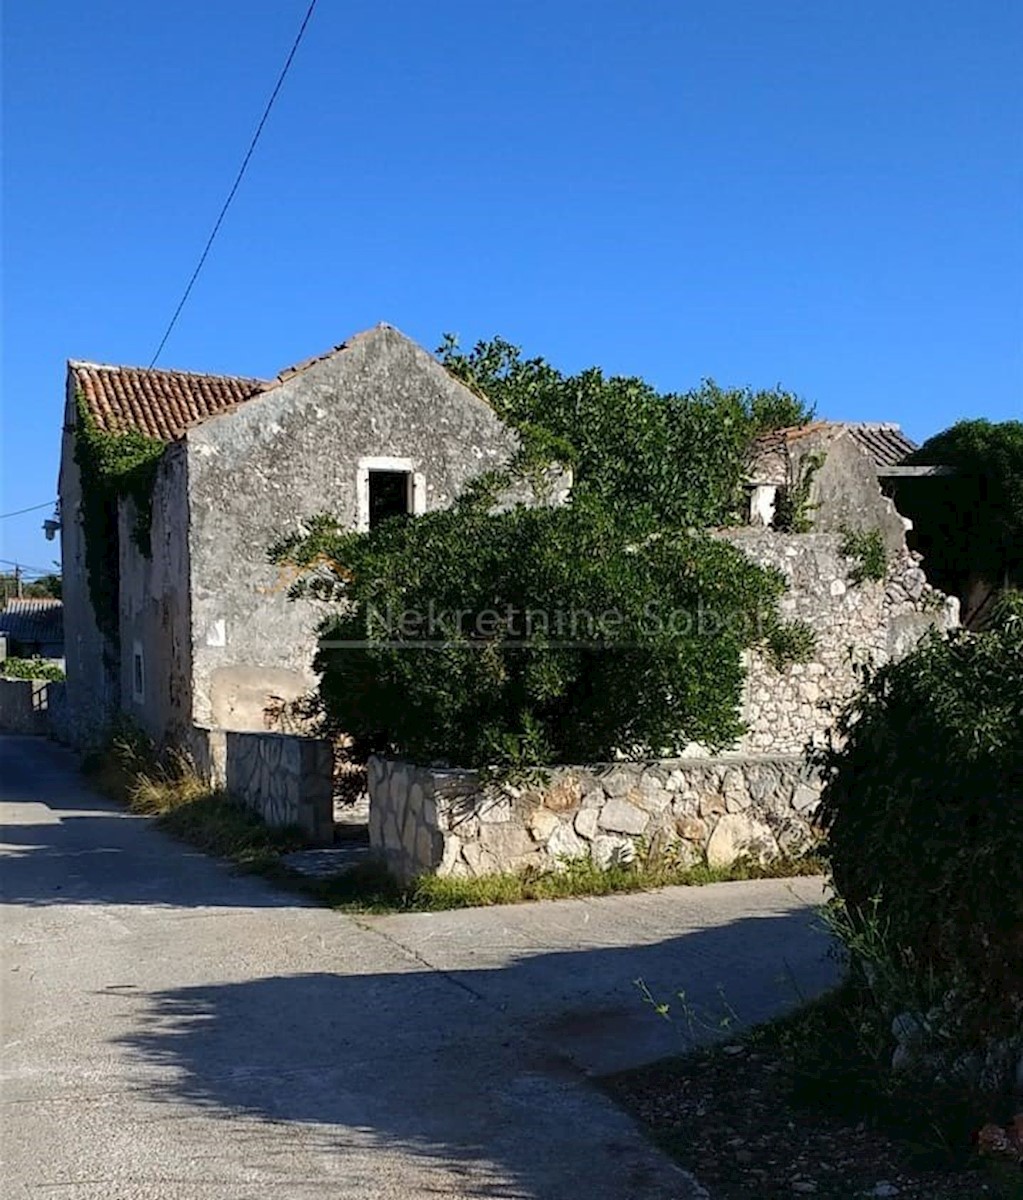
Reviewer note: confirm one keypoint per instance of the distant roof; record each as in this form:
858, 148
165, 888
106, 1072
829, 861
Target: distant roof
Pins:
33, 620
883, 441
163, 404
886, 444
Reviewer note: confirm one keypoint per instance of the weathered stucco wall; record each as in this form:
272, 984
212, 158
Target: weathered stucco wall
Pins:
154, 614
90, 658
854, 623
255, 474
425, 820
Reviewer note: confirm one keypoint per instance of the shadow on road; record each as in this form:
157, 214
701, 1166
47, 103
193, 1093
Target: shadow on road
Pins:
451, 1074
61, 843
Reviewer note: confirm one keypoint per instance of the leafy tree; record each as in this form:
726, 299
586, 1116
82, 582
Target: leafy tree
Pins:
923, 814
535, 636
41, 588
612, 626
969, 524
662, 460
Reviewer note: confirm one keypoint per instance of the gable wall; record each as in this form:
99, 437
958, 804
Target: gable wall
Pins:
254, 475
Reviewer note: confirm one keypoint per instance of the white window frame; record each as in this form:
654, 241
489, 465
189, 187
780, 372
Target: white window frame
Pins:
416, 483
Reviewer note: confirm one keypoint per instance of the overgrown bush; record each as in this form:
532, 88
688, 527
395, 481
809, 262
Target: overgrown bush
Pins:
31, 668
535, 636
923, 811
790, 642
676, 459
866, 547
969, 524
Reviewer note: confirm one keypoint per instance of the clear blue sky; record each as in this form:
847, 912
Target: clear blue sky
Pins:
826, 195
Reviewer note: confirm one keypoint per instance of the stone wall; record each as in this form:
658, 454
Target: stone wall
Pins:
284, 778
24, 705
427, 820
855, 623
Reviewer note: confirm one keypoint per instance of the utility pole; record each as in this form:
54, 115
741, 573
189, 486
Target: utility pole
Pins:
17, 578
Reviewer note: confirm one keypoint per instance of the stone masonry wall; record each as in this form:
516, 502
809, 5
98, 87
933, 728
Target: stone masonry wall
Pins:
427, 820
854, 623
284, 778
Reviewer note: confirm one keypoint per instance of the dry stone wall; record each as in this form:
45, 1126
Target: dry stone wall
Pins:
428, 820
855, 623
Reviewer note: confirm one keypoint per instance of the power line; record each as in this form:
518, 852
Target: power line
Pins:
238, 179
9, 562
33, 508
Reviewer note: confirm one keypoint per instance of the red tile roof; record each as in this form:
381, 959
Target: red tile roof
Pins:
162, 404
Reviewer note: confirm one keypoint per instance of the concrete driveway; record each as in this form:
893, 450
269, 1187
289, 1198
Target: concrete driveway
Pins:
173, 1030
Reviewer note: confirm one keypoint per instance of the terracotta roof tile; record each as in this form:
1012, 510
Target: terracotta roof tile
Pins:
887, 445
884, 442
162, 404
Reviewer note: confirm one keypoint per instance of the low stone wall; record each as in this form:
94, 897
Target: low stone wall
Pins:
25, 704
425, 820
284, 778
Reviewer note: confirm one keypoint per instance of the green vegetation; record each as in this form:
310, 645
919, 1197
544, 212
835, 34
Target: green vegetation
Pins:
675, 460
790, 642
533, 637
921, 808
613, 626
969, 524
868, 549
112, 466
31, 668
792, 505
45, 587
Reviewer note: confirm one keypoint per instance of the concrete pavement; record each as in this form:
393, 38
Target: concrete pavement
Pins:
173, 1030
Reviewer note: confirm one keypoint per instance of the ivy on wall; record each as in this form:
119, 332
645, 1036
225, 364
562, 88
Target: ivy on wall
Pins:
112, 467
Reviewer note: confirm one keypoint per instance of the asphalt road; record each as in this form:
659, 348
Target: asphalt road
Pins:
173, 1030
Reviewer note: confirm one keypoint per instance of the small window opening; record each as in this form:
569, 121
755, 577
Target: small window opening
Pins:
390, 495
138, 679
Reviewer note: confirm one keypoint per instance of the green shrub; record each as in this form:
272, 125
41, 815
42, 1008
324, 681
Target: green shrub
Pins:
868, 549
969, 524
31, 668
790, 642
923, 812
677, 459
536, 636
793, 506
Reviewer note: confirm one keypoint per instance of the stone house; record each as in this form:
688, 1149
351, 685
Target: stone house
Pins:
205, 633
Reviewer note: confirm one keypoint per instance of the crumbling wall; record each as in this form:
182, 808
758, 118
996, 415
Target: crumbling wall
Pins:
854, 623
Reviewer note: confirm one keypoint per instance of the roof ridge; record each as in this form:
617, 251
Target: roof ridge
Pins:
84, 364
